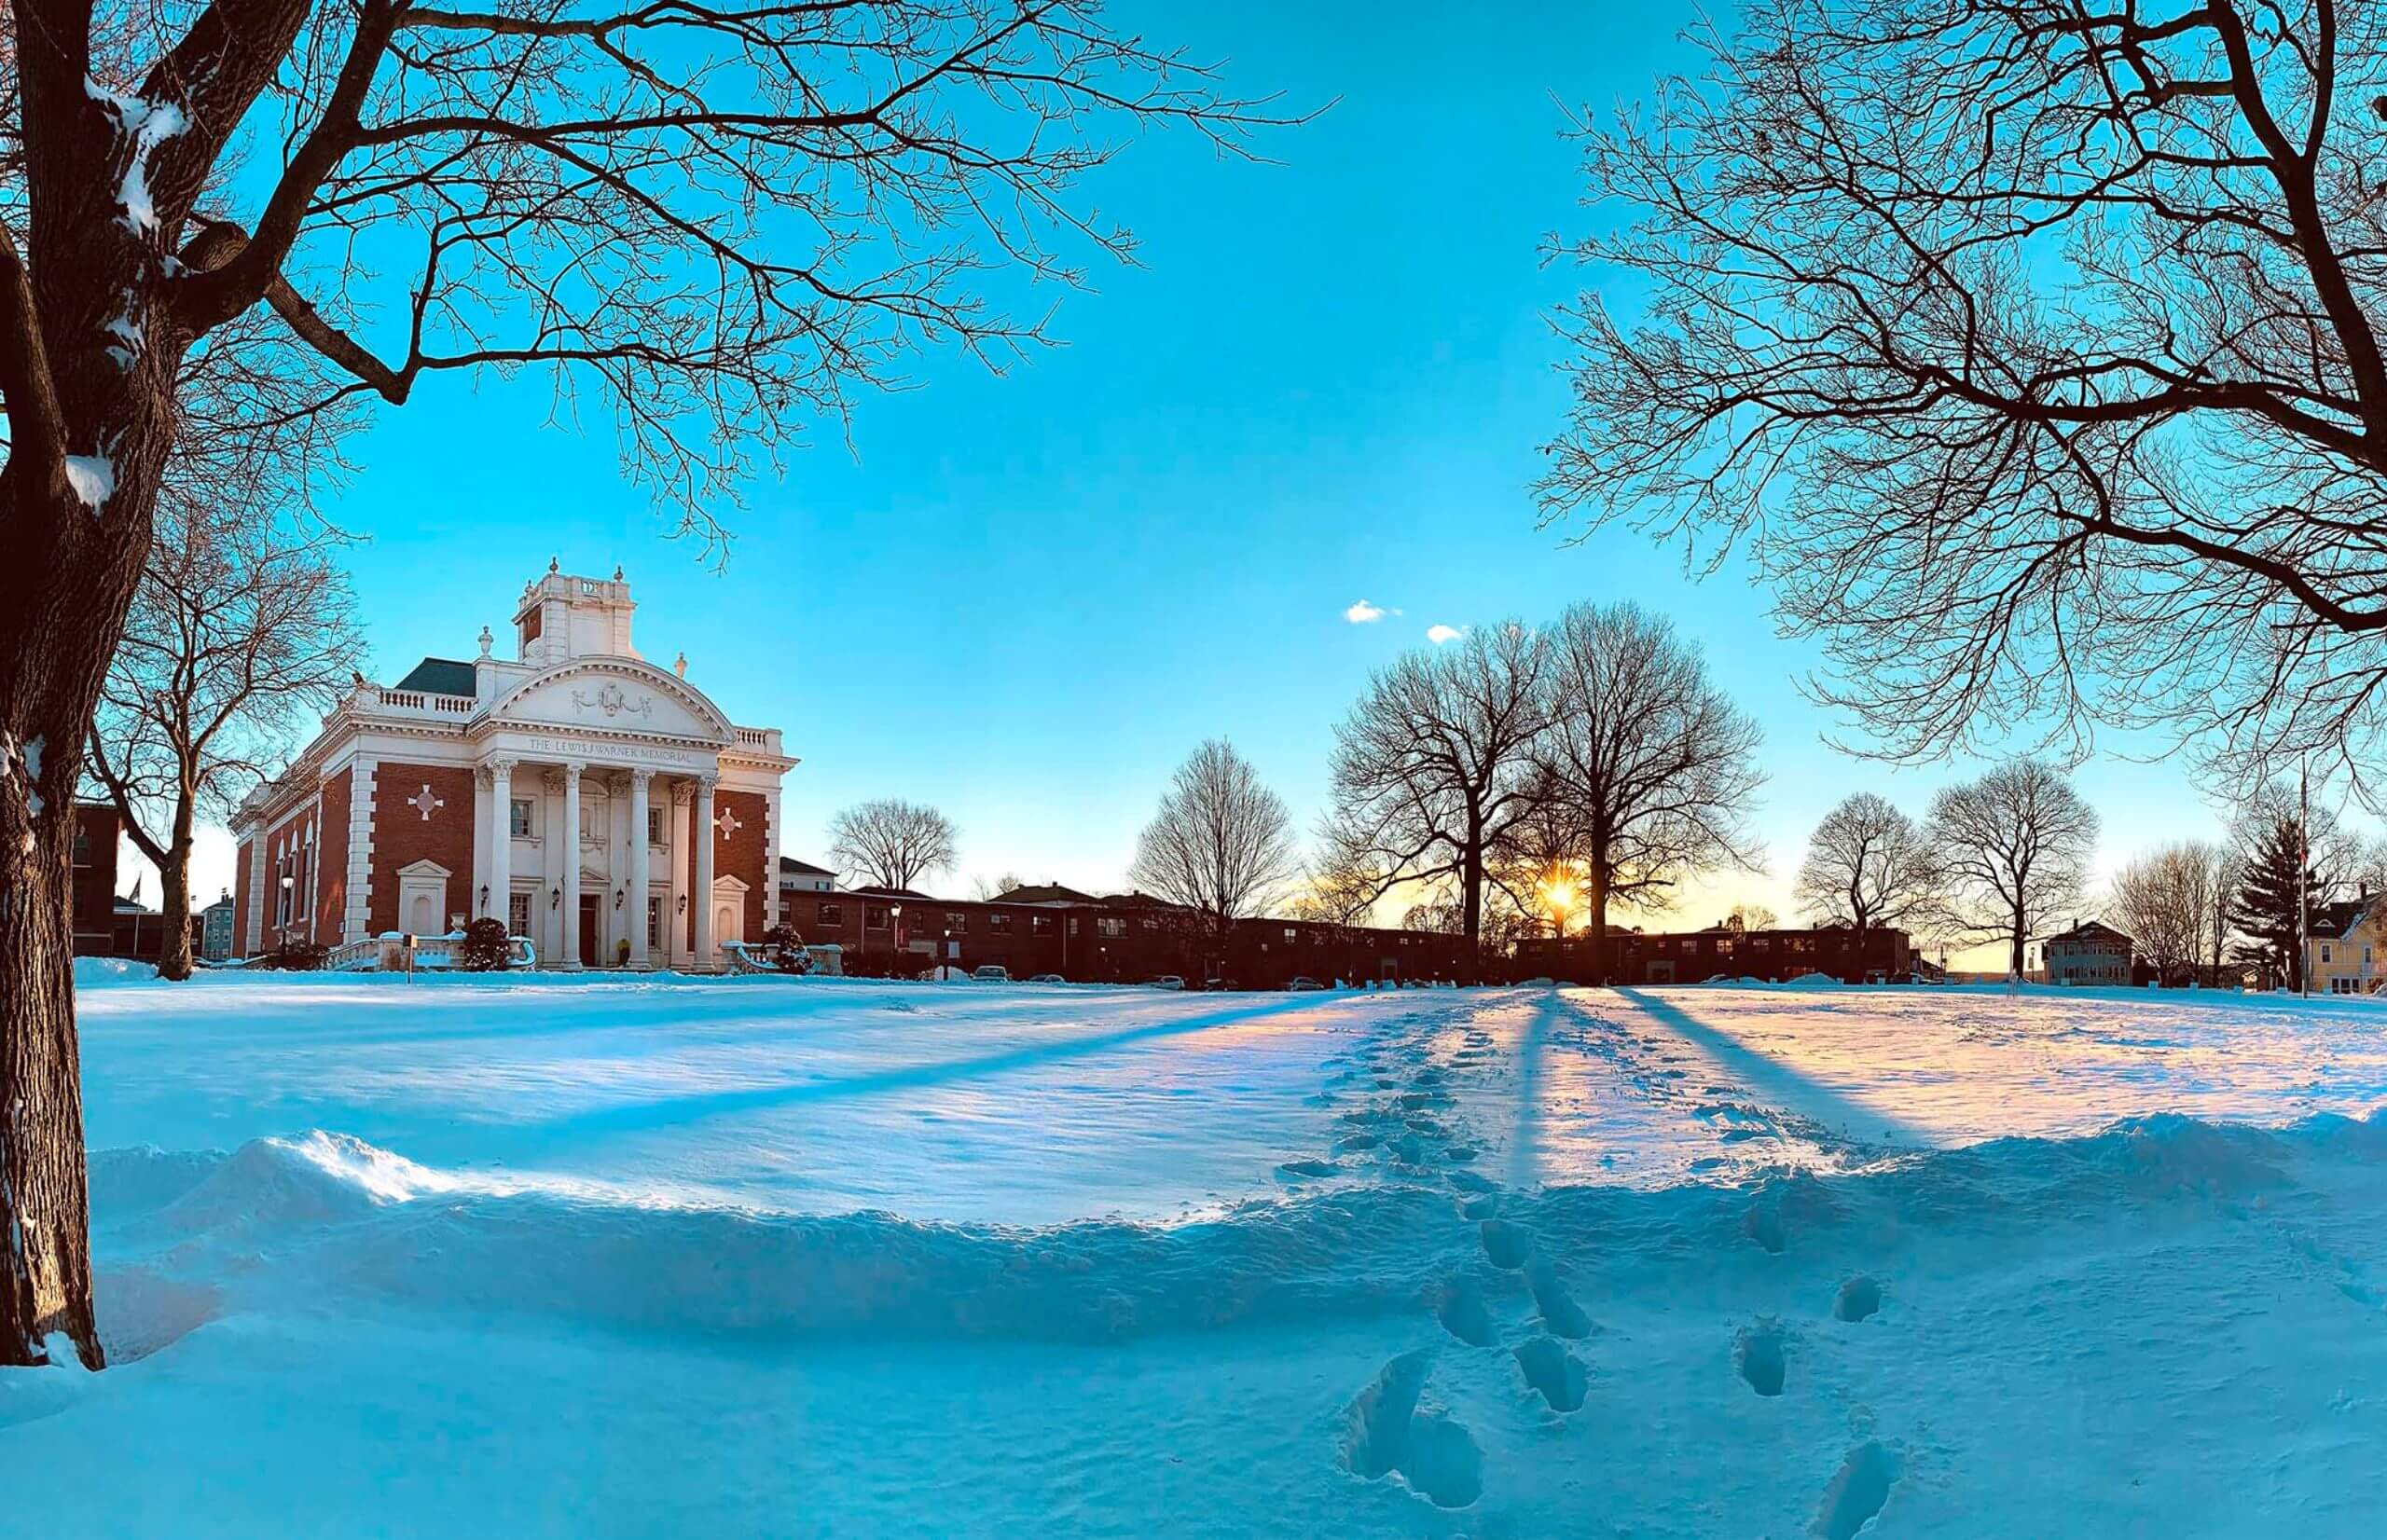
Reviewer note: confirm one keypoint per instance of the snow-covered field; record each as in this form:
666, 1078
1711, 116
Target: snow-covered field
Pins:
759, 1257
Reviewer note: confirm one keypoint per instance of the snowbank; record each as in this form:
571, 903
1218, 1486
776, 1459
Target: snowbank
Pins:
99, 973
914, 1260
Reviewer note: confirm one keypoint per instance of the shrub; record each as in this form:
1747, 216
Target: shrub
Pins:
484, 949
294, 956
784, 949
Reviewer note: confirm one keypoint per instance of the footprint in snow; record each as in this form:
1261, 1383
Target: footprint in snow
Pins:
1507, 1244
1861, 1297
1389, 1430
1555, 1372
1756, 1352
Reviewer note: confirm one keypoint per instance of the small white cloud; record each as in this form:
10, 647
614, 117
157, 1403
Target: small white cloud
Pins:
1364, 613
1441, 633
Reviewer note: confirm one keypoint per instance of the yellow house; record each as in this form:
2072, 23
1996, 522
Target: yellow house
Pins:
2348, 951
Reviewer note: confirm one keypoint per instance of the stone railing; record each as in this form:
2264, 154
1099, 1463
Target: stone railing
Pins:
416, 703
387, 953
767, 739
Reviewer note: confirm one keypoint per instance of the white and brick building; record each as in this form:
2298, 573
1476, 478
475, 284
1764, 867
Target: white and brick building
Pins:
605, 807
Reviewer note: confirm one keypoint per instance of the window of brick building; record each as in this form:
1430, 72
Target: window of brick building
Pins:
518, 914
832, 915
957, 921
1040, 925
874, 916
1111, 927
998, 924
517, 816
654, 925
654, 826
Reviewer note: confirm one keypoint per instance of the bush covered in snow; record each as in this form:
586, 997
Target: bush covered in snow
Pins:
484, 948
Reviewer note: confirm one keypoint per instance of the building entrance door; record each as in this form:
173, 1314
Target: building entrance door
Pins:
588, 957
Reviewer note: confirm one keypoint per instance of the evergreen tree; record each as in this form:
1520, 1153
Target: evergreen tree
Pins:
2263, 908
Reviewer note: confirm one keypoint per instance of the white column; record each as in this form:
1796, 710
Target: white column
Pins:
675, 930
637, 904
501, 844
571, 953
482, 845
703, 834
359, 916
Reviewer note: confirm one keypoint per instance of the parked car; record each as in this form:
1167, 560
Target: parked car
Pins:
1170, 980
991, 973
1048, 978
1304, 983
1216, 985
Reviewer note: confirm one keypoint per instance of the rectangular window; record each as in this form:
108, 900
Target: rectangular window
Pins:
1073, 925
1292, 935
82, 848
1040, 925
518, 914
2325, 950
998, 924
832, 915
957, 921
1111, 927
654, 826
874, 916
653, 926
1150, 923
519, 817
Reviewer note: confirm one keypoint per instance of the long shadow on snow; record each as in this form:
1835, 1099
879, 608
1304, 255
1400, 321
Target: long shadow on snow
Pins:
671, 1109
1787, 1090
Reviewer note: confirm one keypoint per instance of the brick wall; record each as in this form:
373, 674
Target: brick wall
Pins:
93, 876
240, 899
739, 853
331, 861
404, 834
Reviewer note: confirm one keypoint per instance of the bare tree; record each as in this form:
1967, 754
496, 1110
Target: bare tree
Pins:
890, 843
1659, 767
982, 888
240, 631
1337, 888
2171, 900
1751, 917
2031, 349
715, 223
2015, 845
1221, 844
1434, 765
1869, 865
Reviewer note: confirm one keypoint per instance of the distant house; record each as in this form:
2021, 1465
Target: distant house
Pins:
2090, 953
797, 877
2348, 944
215, 929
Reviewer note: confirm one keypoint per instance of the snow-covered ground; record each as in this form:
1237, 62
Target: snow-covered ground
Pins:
745, 1257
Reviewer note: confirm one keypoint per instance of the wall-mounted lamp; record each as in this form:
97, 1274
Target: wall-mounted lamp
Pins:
619, 893
288, 882
484, 895
555, 897
683, 903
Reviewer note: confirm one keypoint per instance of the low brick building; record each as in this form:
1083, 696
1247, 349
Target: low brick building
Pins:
1125, 938
1692, 957
94, 882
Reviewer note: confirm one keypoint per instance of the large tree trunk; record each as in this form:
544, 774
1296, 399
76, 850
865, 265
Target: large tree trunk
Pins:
46, 1270
173, 882
1595, 922
1470, 883
2014, 964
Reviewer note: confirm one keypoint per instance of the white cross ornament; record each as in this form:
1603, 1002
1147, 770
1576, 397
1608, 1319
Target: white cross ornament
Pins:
425, 802
727, 821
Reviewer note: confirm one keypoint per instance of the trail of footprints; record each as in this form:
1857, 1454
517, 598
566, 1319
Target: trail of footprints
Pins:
1395, 1428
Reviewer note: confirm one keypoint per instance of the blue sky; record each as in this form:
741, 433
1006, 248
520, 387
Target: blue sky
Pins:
1025, 599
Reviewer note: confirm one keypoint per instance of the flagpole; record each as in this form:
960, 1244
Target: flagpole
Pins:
2304, 880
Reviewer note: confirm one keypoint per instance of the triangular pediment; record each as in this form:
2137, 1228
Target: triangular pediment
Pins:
612, 695
425, 868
